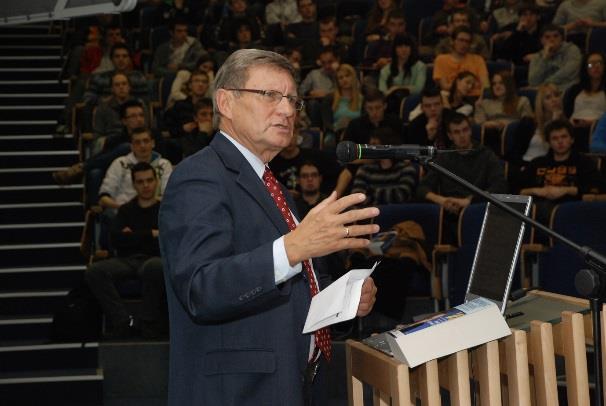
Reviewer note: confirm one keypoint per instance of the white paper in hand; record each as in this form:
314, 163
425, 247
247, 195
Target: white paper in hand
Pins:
338, 302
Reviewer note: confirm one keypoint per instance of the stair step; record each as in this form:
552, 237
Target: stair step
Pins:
30, 73
37, 159
52, 356
81, 387
27, 302
27, 127
25, 327
41, 142
25, 113
41, 212
43, 277
31, 255
28, 176
45, 193
11, 62
30, 50
40, 233
26, 29
31, 39
33, 99
34, 86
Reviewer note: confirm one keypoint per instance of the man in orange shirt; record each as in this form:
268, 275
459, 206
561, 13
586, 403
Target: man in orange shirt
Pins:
447, 66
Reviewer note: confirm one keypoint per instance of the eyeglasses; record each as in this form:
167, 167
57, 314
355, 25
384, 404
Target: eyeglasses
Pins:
595, 64
273, 97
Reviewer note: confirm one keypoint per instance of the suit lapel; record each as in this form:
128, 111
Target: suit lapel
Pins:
248, 180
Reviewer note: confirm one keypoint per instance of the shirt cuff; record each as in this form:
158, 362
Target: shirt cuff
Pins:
282, 269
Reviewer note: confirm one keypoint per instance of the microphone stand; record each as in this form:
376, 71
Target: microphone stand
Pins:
588, 281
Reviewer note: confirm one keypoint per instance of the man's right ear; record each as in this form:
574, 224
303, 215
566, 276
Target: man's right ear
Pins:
224, 102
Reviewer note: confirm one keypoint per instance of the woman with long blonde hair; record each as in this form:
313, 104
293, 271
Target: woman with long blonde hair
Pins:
347, 98
548, 106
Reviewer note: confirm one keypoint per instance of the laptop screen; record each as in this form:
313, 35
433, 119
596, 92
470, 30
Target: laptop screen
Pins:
497, 251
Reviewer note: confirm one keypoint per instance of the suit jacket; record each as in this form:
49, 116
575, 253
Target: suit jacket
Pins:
236, 338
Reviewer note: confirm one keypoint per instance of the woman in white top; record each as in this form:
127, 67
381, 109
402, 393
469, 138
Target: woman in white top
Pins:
504, 105
588, 95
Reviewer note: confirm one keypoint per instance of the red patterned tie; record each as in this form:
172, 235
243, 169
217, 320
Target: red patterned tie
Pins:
322, 336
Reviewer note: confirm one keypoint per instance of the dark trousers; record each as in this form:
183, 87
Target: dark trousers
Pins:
102, 277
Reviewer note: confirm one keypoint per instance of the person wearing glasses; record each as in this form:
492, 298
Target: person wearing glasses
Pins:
240, 265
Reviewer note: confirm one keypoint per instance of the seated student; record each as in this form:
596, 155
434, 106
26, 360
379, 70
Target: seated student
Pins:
180, 52
505, 16
310, 181
179, 118
304, 34
586, 101
558, 62
473, 162
359, 129
561, 175
405, 70
459, 97
282, 12
477, 44
428, 128
134, 235
117, 187
504, 105
448, 18
378, 53
179, 89
521, 42
202, 134
579, 16
447, 66
97, 58
319, 83
100, 85
343, 105
385, 181
376, 23
107, 123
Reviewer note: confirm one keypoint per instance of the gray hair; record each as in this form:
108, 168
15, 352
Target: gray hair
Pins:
233, 74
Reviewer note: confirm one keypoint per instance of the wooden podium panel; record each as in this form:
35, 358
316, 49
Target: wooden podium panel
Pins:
517, 370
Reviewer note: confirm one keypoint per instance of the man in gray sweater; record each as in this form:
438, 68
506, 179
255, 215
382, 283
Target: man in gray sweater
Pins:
180, 52
558, 62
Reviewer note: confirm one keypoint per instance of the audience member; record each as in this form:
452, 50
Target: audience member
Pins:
473, 162
100, 84
458, 98
310, 181
379, 52
117, 187
359, 129
585, 102
97, 58
180, 52
179, 119
504, 104
428, 128
178, 90
189, 11
561, 175
107, 123
282, 12
448, 66
578, 16
238, 10
385, 181
442, 20
200, 136
548, 107
558, 62
477, 44
505, 16
404, 70
304, 34
598, 137
521, 43
345, 103
376, 24
134, 235
319, 83
328, 35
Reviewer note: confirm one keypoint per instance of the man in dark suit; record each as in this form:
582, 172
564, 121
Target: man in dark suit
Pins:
238, 272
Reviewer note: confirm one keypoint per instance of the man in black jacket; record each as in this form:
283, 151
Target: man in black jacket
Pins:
134, 234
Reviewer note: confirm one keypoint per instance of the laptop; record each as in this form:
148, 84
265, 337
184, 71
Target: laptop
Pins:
495, 258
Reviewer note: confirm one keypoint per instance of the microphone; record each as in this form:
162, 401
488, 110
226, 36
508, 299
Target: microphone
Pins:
348, 151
